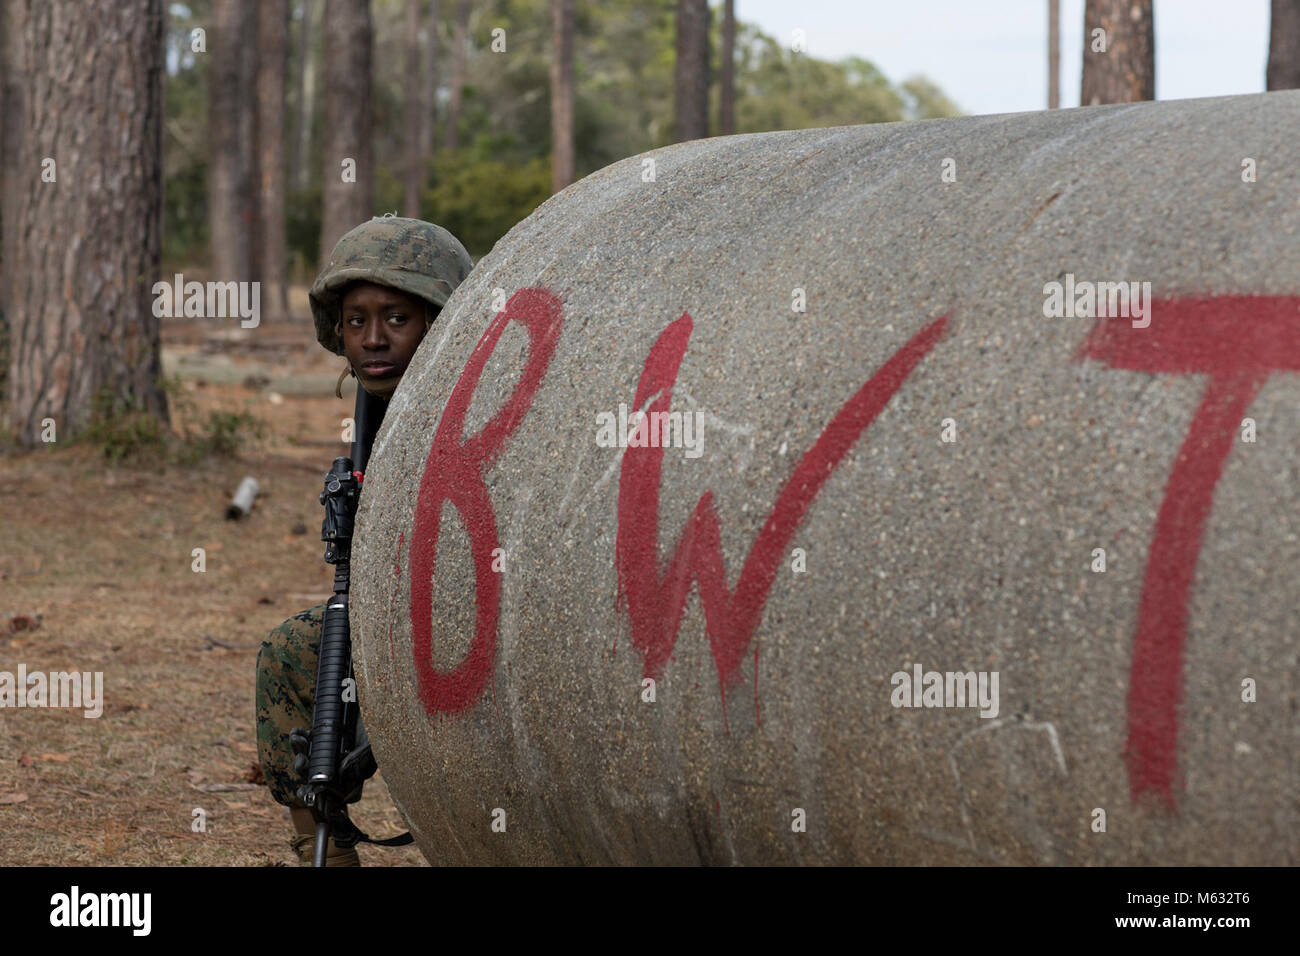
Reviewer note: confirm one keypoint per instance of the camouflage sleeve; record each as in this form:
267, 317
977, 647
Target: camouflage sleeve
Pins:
286, 680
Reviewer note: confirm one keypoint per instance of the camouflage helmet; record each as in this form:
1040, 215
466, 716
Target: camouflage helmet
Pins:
412, 255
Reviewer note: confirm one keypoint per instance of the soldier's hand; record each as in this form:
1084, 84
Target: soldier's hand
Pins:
300, 744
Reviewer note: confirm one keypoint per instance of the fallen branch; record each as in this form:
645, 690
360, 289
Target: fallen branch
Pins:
213, 642
224, 787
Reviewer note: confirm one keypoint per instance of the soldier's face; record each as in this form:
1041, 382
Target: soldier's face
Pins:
382, 327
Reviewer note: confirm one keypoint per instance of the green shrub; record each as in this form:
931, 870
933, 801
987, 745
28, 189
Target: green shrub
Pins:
223, 435
124, 432
127, 435
479, 200
302, 230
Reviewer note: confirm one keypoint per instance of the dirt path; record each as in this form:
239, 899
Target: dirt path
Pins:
104, 557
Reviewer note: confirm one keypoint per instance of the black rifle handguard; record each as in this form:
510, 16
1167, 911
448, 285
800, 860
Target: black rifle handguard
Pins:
327, 718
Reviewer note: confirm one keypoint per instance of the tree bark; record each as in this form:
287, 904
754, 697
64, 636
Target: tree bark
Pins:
299, 146
413, 120
1284, 46
1053, 54
349, 111
727, 99
83, 250
691, 87
1126, 71
272, 78
10, 129
459, 52
562, 155
433, 50
232, 128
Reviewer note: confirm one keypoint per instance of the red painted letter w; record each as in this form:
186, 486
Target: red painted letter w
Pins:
656, 594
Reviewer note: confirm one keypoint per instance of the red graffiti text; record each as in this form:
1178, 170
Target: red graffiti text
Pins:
454, 472
656, 595
1237, 341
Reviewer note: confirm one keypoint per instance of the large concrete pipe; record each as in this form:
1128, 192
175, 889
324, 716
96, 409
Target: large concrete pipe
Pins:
961, 551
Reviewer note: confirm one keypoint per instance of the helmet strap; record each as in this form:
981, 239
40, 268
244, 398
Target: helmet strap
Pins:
338, 386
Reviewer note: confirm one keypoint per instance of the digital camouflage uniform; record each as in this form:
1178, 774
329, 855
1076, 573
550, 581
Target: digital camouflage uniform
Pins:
286, 681
420, 259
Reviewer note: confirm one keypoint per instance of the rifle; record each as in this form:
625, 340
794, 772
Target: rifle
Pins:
340, 758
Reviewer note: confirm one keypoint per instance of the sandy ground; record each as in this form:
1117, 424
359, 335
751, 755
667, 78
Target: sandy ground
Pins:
96, 575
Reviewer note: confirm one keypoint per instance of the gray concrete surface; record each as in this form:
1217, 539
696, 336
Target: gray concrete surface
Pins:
972, 555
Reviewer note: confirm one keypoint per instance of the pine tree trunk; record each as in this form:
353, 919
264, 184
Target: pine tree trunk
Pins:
433, 50
11, 113
299, 146
727, 99
83, 250
10, 130
692, 70
1126, 71
1053, 54
272, 77
562, 157
459, 51
232, 128
412, 134
349, 114
1284, 46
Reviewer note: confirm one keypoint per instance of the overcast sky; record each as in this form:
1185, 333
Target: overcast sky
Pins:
990, 56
